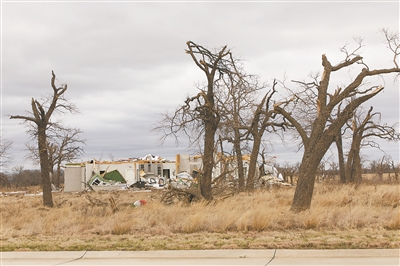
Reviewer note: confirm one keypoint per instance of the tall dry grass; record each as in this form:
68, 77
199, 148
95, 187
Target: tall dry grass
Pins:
334, 208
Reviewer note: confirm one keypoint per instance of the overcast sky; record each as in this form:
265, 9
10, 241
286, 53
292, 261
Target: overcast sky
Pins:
124, 62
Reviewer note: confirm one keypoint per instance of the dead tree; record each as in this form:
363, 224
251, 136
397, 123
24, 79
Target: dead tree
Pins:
41, 120
199, 118
263, 118
67, 149
318, 135
363, 130
289, 172
339, 146
338, 139
63, 145
5, 157
395, 169
235, 106
4, 180
244, 119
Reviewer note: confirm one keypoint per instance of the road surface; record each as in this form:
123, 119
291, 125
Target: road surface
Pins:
340, 257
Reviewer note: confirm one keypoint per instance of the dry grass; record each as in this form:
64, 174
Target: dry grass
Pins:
341, 216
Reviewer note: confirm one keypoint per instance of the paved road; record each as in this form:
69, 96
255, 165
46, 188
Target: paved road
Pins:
206, 257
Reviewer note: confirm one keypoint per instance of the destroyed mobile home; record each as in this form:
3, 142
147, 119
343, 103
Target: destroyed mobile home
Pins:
147, 172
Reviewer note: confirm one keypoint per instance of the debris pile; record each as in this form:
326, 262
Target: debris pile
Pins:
272, 180
152, 158
182, 180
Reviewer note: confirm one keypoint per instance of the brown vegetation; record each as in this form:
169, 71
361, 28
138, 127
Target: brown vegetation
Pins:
342, 216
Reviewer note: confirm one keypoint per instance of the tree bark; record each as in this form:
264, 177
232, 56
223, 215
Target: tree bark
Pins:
208, 161
353, 159
307, 173
357, 168
305, 186
239, 159
253, 162
339, 145
44, 166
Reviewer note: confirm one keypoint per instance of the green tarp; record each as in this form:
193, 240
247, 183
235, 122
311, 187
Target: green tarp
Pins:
110, 177
115, 175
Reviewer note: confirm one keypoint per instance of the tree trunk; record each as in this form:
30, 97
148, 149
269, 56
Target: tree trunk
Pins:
253, 162
353, 159
58, 176
208, 160
44, 167
357, 168
339, 145
239, 160
350, 167
308, 169
304, 189
395, 170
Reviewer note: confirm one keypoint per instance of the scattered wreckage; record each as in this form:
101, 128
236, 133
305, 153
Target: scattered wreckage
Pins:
272, 177
178, 179
148, 172
151, 172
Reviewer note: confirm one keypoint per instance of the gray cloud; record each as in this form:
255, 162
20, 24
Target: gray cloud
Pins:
124, 63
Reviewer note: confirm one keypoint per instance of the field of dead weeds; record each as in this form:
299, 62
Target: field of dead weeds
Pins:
341, 216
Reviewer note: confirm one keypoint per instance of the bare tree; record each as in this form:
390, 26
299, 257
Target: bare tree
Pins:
339, 145
288, 171
263, 118
41, 119
17, 175
63, 146
395, 167
363, 130
236, 103
382, 166
67, 150
199, 116
318, 135
245, 119
5, 157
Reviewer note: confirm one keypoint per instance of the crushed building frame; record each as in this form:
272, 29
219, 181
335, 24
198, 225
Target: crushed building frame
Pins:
106, 175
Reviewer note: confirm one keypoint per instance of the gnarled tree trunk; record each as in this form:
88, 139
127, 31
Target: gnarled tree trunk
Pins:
312, 156
44, 167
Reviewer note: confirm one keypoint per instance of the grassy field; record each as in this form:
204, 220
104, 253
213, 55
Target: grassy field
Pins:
341, 216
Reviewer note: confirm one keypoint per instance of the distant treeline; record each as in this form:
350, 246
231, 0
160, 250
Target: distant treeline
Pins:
20, 178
